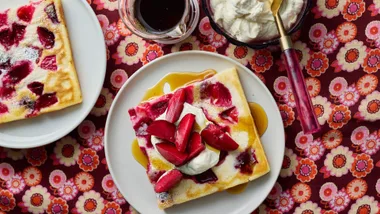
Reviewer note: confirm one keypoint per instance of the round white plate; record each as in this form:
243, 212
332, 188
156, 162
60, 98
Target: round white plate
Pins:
130, 177
89, 53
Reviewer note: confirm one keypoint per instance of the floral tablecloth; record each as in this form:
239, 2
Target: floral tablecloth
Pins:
334, 171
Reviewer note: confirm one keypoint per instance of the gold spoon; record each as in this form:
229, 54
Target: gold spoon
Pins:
304, 106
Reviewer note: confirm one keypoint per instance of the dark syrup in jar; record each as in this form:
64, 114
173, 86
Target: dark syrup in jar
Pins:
159, 15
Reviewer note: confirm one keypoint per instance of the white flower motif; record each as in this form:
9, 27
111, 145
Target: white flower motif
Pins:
96, 140
67, 151
351, 56
130, 50
330, 9
338, 161
36, 199
103, 103
241, 54
308, 207
328, 191
366, 204
15, 154
322, 108
289, 164
340, 201
338, 86
108, 184
303, 52
68, 190
57, 178
350, 96
90, 202
359, 135
370, 107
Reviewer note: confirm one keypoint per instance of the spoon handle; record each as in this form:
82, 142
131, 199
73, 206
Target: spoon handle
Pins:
304, 106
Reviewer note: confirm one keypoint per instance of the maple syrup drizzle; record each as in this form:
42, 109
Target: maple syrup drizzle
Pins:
260, 117
138, 154
237, 189
176, 80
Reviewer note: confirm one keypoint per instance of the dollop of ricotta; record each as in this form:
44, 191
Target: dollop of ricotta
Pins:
207, 158
250, 20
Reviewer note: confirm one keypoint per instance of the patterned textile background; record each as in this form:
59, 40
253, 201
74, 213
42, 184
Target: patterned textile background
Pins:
334, 171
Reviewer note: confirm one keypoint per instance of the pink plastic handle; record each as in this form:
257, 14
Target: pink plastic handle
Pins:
304, 106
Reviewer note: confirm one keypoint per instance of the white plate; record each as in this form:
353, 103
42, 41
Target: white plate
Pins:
89, 52
130, 177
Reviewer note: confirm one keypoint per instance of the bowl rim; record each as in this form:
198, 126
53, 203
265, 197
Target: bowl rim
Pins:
258, 45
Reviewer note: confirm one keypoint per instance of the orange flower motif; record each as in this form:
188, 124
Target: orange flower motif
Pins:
287, 114
306, 170
122, 29
330, 212
372, 61
301, 192
36, 156
317, 64
346, 32
151, 53
313, 85
84, 181
356, 188
367, 84
88, 160
32, 176
8, 202
353, 10
111, 207
208, 48
261, 61
339, 117
362, 165
58, 205
332, 139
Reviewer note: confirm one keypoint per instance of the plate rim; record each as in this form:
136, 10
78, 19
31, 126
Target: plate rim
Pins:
191, 52
98, 90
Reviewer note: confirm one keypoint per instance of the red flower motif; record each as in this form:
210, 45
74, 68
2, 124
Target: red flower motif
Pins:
208, 48
362, 165
317, 64
287, 115
59, 206
306, 170
7, 201
261, 61
88, 160
339, 117
151, 53
372, 61
36, 156
353, 10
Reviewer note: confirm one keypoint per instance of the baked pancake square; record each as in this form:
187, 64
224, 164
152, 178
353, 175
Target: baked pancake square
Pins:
37, 73
199, 139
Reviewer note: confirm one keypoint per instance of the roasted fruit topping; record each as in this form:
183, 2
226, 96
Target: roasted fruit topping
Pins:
25, 13
46, 37
217, 138
183, 132
245, 162
36, 87
217, 93
206, 177
162, 129
230, 114
9, 37
171, 154
159, 107
3, 108
141, 126
168, 181
175, 106
51, 13
195, 145
18, 72
49, 63
46, 100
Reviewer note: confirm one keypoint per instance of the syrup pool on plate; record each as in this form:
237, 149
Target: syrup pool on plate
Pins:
176, 80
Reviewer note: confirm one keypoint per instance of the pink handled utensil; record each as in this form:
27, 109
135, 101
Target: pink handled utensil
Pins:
304, 106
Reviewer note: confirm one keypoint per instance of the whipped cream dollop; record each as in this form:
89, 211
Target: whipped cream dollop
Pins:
207, 158
250, 20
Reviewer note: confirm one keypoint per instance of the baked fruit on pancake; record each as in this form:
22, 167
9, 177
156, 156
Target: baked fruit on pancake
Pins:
37, 73
199, 139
